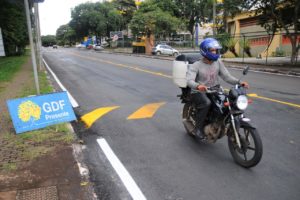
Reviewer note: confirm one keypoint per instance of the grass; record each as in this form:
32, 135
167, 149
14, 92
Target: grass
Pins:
45, 87
8, 167
55, 133
38, 142
10, 65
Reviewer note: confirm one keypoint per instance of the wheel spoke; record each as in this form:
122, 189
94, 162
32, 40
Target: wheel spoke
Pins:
245, 156
251, 148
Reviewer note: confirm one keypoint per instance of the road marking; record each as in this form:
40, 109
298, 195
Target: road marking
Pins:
146, 111
167, 76
72, 100
273, 100
124, 175
125, 66
91, 117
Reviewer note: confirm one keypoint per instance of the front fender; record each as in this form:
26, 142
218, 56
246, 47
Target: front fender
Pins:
245, 124
240, 123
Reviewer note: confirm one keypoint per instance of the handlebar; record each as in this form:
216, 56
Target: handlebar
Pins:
214, 89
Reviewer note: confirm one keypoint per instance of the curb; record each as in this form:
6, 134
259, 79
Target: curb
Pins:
84, 172
78, 156
268, 70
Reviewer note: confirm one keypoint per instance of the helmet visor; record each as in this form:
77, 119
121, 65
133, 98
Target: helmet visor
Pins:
215, 50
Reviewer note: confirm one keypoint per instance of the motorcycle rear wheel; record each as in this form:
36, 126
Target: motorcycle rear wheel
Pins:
188, 120
250, 144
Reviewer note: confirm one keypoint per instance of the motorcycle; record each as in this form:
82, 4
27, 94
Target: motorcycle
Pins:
227, 118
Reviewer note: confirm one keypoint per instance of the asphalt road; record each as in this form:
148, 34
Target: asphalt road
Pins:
164, 161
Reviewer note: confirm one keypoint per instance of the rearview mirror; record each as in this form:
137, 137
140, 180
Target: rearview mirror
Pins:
245, 71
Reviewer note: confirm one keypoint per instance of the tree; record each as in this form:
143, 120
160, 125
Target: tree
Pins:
48, 40
65, 35
150, 19
280, 15
167, 6
95, 19
126, 8
13, 25
193, 11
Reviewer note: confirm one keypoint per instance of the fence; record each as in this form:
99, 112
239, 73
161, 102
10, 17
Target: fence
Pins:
248, 44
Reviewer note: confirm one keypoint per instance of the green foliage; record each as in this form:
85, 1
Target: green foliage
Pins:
95, 19
48, 40
9, 167
245, 45
126, 8
150, 19
167, 6
13, 25
10, 65
230, 44
45, 87
65, 35
278, 53
193, 11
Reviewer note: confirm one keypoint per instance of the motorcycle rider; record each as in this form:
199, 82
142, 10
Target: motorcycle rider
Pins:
204, 73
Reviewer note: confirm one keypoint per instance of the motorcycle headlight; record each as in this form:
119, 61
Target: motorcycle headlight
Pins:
242, 102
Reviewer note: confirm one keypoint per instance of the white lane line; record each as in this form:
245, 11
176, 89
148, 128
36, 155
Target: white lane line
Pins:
72, 100
127, 180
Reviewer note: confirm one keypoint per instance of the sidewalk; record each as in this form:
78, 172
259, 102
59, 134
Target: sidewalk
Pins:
276, 65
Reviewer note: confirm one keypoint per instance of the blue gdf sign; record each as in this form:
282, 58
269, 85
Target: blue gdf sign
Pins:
37, 112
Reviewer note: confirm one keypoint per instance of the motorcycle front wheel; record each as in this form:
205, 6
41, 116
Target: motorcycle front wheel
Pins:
251, 149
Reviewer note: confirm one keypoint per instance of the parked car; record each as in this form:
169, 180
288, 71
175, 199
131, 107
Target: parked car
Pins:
98, 47
104, 44
164, 49
80, 46
54, 46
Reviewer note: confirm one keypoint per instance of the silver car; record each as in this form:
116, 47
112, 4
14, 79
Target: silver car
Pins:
164, 49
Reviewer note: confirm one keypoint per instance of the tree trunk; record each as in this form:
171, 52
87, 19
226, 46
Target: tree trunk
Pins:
149, 44
293, 39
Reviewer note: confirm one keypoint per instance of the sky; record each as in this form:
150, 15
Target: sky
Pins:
54, 13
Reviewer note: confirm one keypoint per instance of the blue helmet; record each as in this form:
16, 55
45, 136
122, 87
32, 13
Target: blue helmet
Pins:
206, 45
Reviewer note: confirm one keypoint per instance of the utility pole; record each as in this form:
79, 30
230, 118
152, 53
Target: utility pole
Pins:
214, 17
33, 58
38, 33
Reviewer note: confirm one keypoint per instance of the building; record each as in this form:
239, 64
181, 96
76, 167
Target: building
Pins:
245, 26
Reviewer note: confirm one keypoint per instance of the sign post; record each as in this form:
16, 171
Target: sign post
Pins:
33, 58
2, 51
37, 112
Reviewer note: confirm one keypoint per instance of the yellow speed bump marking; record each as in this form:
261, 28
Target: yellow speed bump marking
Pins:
91, 117
147, 111
274, 100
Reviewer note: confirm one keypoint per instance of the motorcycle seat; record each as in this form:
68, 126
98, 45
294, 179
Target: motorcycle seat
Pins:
189, 57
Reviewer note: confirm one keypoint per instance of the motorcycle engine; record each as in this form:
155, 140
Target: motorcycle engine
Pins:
213, 131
